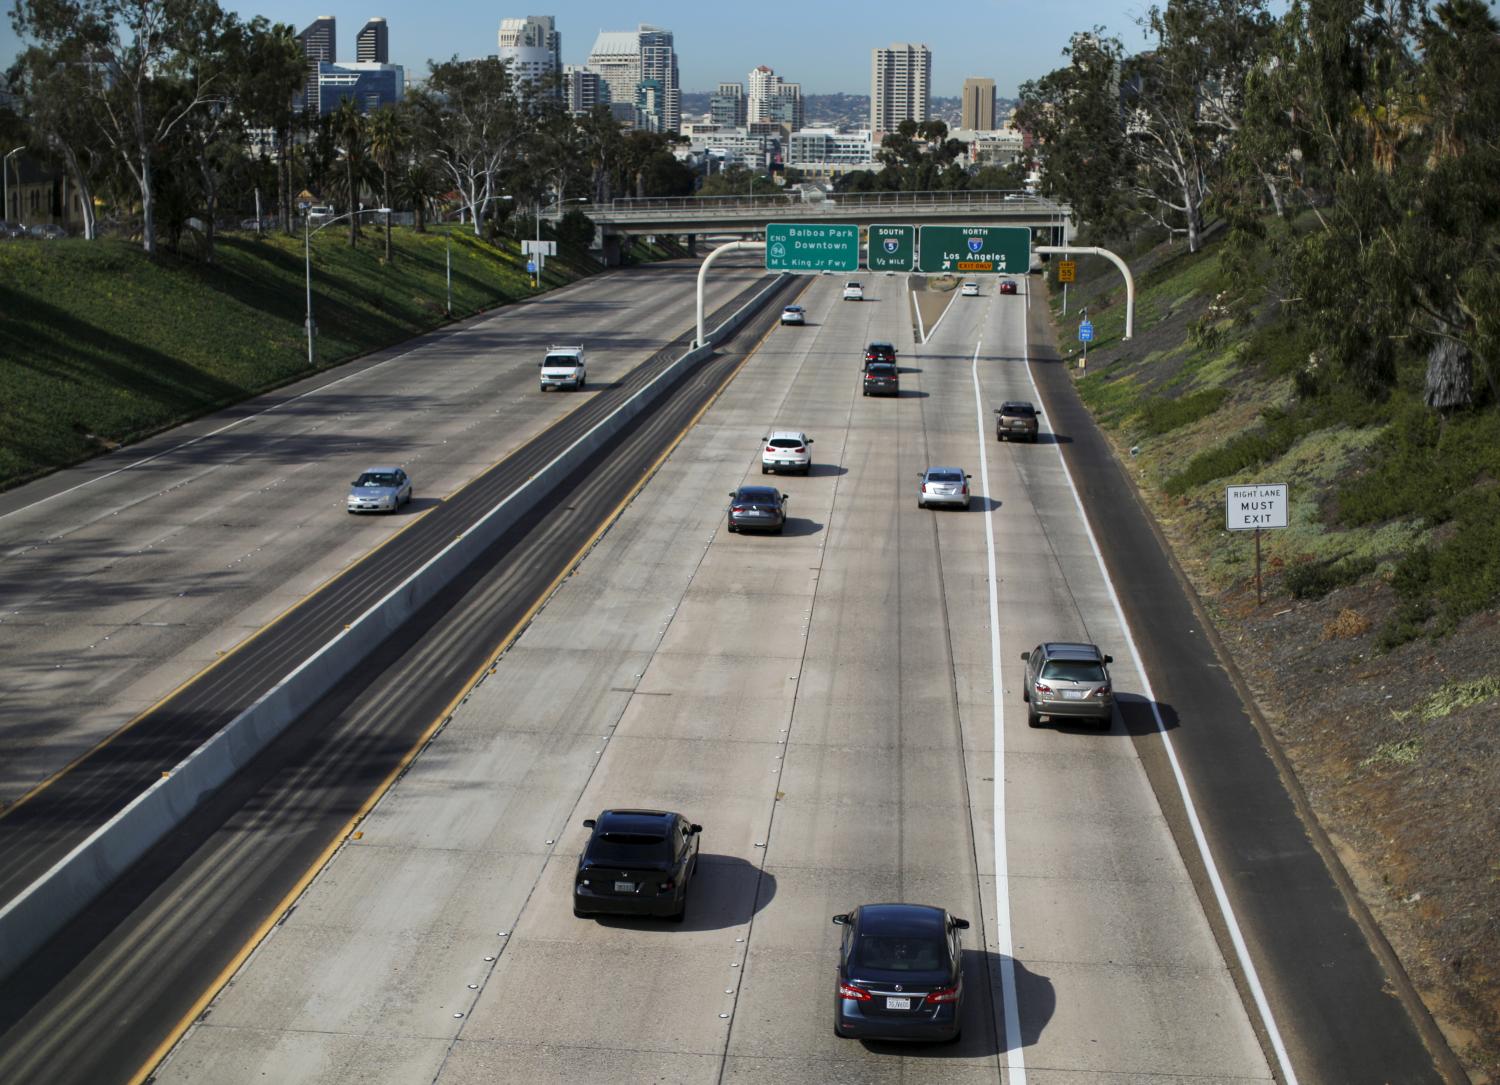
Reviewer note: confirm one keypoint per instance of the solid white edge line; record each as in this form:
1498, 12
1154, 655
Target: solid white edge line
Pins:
1014, 1060
1221, 897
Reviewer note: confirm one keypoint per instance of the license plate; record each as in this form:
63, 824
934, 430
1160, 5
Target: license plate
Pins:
752, 512
783, 463
624, 887
898, 1003
1075, 694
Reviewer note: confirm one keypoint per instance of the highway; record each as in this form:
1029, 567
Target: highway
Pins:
825, 703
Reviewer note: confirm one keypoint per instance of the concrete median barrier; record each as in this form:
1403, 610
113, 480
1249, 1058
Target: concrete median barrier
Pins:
48, 904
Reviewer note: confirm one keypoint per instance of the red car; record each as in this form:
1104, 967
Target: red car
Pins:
1007, 286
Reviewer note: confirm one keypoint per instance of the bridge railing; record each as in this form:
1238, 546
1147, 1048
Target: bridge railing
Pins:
841, 203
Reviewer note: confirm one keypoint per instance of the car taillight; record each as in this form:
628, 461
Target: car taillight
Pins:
869, 376
667, 885
966, 489
858, 994
943, 994
1102, 691
1042, 687
770, 448
800, 449
737, 508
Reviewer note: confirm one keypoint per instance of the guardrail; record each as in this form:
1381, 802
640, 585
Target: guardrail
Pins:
77, 879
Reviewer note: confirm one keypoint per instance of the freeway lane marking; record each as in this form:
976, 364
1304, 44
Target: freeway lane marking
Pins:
1015, 1061
1221, 897
163, 1049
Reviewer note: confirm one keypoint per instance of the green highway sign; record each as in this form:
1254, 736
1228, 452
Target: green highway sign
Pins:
966, 249
812, 246
892, 248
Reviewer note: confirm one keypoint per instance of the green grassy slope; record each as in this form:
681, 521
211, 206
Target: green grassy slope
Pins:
100, 346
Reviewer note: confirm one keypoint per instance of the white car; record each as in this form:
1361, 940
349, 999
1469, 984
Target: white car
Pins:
793, 314
786, 450
854, 292
970, 290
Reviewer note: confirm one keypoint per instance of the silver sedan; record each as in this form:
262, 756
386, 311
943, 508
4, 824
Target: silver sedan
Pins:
379, 489
943, 486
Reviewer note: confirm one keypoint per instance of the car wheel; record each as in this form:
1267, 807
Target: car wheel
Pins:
1026, 695
732, 529
921, 504
780, 527
1106, 723
1033, 718
1033, 438
681, 913
957, 1036
840, 1033
764, 469
579, 915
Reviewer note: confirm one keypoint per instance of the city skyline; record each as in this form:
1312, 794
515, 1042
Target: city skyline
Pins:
1009, 41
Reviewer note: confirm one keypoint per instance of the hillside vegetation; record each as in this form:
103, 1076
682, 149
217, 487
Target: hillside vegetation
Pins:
1375, 656
101, 346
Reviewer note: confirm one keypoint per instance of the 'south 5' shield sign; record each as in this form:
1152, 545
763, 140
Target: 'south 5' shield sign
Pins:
892, 244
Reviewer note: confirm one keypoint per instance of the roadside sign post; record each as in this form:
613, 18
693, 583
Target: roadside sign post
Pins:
1066, 271
1251, 508
1085, 334
811, 247
892, 248
996, 249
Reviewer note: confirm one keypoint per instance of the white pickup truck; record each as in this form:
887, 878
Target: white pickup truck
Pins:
563, 367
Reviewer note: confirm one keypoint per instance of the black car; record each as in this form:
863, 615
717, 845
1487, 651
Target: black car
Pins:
900, 974
637, 862
757, 508
881, 379
880, 351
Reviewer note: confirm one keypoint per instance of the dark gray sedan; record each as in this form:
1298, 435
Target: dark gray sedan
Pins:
637, 862
379, 489
757, 508
900, 974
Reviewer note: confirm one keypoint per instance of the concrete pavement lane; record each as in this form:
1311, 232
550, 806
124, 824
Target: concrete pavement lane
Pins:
823, 703
128, 575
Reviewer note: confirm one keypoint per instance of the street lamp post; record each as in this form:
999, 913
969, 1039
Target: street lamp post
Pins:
307, 232
5, 169
448, 236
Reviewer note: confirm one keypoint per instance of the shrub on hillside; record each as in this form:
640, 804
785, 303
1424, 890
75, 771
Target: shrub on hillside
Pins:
1315, 579
1274, 438
1164, 414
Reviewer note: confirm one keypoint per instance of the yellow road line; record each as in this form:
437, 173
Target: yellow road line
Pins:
228, 971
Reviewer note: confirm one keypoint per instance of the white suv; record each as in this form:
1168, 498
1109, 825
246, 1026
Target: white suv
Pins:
854, 292
786, 450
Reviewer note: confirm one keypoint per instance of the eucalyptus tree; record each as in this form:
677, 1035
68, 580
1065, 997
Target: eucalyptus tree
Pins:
51, 87
131, 51
601, 146
273, 73
476, 126
1078, 132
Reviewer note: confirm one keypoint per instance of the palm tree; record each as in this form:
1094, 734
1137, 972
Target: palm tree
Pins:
418, 185
387, 141
349, 132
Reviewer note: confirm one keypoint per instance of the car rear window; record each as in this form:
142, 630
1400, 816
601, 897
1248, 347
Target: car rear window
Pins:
1025, 410
900, 954
371, 478
785, 442
945, 476
629, 847
1073, 670
882, 369
758, 493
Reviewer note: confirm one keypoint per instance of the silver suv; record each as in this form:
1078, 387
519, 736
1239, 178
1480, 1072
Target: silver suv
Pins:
1068, 681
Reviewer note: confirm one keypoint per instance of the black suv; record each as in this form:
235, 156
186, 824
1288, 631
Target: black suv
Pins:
881, 379
880, 351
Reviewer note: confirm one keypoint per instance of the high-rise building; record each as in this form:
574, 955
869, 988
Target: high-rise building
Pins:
372, 45
727, 107
533, 48
659, 65
773, 99
319, 46
900, 86
583, 89
979, 105
626, 59
369, 85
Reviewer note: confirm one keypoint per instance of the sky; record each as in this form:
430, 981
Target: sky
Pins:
823, 45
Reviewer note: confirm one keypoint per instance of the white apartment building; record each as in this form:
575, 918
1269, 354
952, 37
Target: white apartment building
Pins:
532, 47
900, 86
827, 152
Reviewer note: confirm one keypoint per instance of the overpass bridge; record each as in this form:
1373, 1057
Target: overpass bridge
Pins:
744, 216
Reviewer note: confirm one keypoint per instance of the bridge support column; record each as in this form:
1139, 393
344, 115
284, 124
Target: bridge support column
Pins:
692, 244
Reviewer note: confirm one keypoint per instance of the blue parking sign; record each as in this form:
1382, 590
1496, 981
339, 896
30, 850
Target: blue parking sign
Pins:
1086, 332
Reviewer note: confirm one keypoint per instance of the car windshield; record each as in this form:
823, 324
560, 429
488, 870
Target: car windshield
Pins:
945, 476
785, 442
376, 478
759, 493
793, 309
629, 848
899, 954
1073, 670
